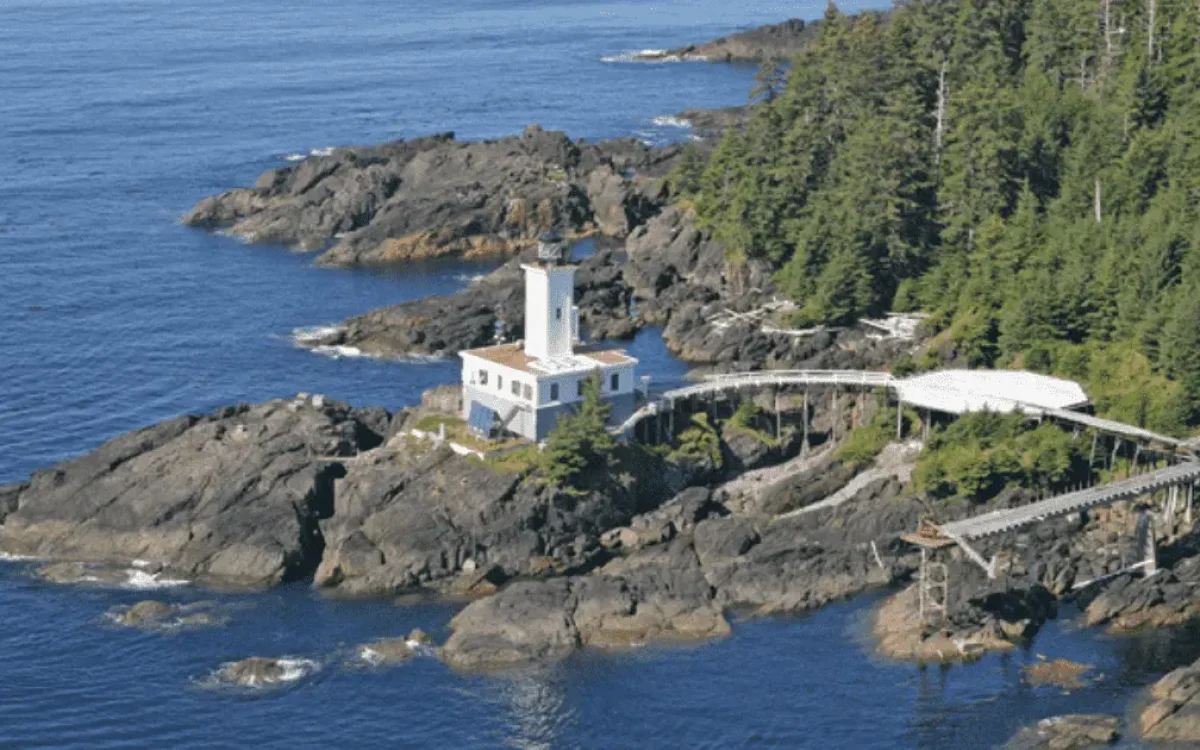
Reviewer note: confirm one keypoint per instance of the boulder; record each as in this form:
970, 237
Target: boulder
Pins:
659, 594
1068, 732
144, 613
1174, 712
263, 672
232, 498
387, 651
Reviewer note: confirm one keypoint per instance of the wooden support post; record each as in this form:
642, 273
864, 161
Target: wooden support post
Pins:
804, 419
925, 426
899, 418
837, 414
778, 418
1137, 451
1113, 458
1145, 534
1092, 458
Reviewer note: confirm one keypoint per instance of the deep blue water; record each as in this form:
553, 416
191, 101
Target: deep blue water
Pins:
115, 117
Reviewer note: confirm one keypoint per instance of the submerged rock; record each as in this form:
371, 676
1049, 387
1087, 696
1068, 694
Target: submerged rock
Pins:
143, 613
232, 498
1068, 732
387, 651
155, 615
261, 672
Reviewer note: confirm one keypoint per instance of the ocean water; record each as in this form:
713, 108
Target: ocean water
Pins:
115, 117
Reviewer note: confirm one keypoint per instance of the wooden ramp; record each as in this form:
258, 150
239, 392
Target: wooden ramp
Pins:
1000, 521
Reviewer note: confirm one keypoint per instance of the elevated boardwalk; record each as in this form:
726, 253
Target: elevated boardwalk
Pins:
1000, 521
948, 398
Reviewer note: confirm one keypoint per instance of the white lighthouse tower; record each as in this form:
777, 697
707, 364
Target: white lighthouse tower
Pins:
523, 388
551, 318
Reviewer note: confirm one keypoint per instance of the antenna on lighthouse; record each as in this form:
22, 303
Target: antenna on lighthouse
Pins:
551, 248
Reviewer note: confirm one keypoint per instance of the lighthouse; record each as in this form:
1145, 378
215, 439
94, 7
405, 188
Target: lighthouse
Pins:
523, 388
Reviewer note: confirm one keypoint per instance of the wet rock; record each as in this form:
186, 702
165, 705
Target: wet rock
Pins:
659, 594
388, 651
1132, 602
1062, 673
436, 196
262, 672
156, 615
1068, 732
1174, 713
231, 498
419, 637
144, 612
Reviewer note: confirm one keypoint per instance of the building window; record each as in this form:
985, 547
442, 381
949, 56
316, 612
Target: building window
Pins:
483, 377
528, 392
554, 391
558, 313
616, 381
579, 388
499, 382
516, 388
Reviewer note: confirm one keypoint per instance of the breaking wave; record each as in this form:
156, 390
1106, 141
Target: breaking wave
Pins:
671, 121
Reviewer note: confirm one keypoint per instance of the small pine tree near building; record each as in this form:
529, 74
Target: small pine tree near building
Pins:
579, 441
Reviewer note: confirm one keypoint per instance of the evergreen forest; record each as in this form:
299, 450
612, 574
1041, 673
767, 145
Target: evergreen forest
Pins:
1025, 171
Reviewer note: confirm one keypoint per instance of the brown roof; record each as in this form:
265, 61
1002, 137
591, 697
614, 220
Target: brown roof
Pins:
609, 356
509, 355
514, 356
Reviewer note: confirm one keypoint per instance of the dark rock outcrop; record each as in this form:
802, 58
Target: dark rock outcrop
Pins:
231, 498
658, 595
436, 196
421, 517
771, 42
474, 316
1131, 602
1174, 713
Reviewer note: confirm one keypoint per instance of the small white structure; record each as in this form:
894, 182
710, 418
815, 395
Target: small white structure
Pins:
523, 388
962, 391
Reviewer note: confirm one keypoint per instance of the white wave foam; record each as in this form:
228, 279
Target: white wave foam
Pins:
423, 359
297, 669
6, 557
649, 56
339, 352
295, 157
143, 581
313, 334
671, 121
470, 278
328, 150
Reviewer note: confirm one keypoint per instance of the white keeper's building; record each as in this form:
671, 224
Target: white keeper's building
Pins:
524, 387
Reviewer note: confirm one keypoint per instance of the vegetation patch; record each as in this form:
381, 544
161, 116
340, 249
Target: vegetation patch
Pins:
1025, 171
979, 454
